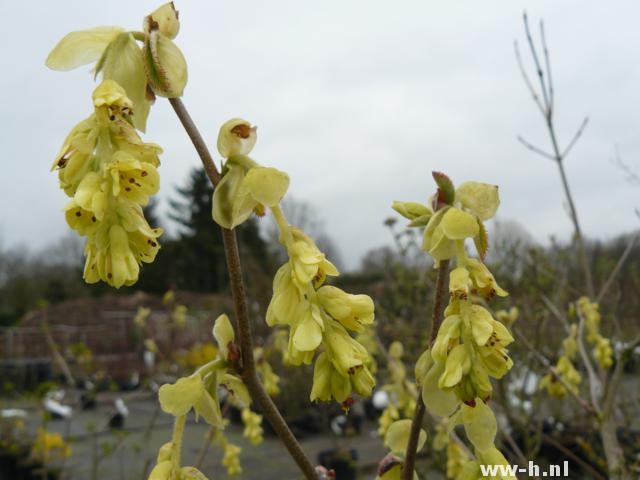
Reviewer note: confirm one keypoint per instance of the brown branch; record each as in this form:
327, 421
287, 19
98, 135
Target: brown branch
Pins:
248, 371
418, 415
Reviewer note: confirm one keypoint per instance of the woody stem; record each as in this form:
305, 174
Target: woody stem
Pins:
243, 327
418, 415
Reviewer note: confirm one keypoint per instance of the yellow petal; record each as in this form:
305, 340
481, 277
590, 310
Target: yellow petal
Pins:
80, 48
165, 66
308, 335
480, 425
178, 398
223, 333
481, 199
267, 185
440, 402
397, 437
457, 225
124, 64
224, 196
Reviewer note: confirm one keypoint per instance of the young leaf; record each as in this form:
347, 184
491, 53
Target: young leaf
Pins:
481, 240
446, 190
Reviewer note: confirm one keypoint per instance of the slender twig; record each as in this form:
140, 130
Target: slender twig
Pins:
616, 270
539, 71
55, 351
547, 62
569, 454
615, 379
595, 385
545, 361
248, 369
418, 415
557, 155
555, 311
526, 78
535, 149
576, 137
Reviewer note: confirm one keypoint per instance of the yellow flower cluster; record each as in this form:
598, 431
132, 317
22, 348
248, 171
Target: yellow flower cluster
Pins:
231, 459
110, 173
602, 351
565, 376
470, 346
252, 426
48, 447
104, 166
270, 379
317, 315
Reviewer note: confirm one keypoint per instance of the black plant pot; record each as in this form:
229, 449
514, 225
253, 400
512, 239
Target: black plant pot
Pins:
342, 462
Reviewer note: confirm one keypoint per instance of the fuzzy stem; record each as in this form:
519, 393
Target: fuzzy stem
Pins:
176, 439
418, 415
249, 375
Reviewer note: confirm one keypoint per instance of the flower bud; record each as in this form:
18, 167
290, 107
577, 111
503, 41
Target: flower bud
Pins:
165, 19
236, 137
165, 65
224, 334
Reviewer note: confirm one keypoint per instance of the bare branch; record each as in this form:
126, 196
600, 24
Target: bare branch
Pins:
535, 149
547, 364
547, 62
618, 267
527, 80
595, 385
576, 137
536, 60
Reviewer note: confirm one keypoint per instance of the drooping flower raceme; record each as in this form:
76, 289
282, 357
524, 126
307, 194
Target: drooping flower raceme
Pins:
109, 173
470, 346
319, 316
103, 165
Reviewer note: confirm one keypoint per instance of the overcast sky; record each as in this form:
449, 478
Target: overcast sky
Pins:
357, 100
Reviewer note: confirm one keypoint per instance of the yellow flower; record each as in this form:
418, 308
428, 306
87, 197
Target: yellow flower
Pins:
444, 228
231, 459
252, 426
352, 311
110, 174
245, 186
307, 262
483, 281
141, 316
190, 392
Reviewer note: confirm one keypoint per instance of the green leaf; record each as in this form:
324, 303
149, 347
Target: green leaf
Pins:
481, 240
446, 190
